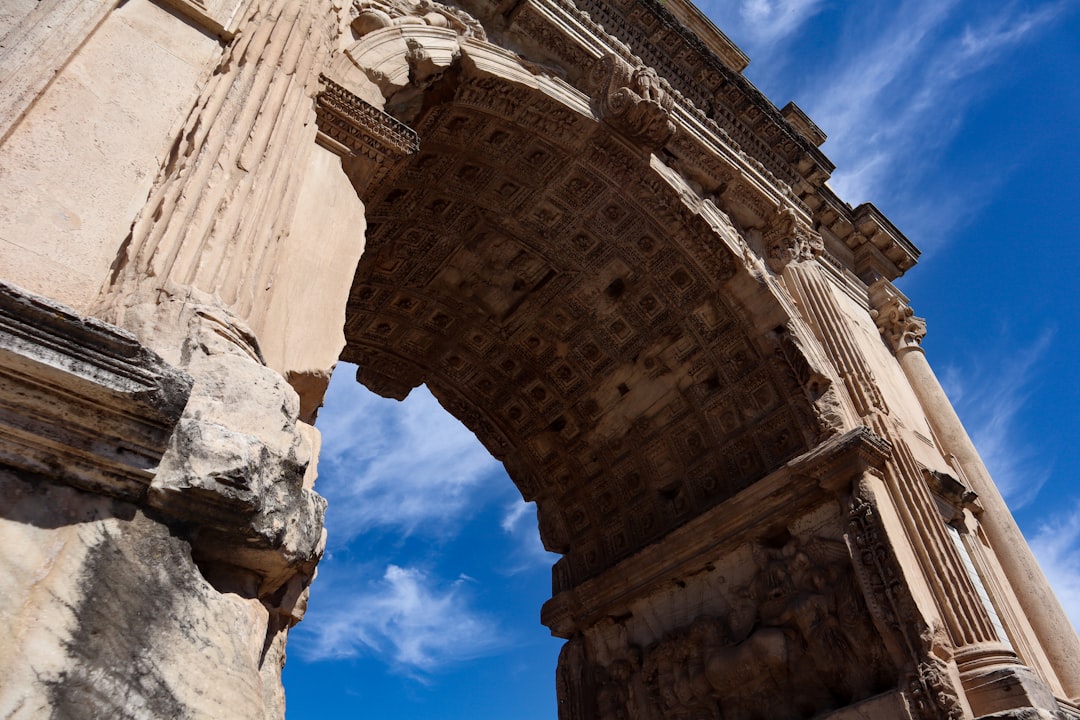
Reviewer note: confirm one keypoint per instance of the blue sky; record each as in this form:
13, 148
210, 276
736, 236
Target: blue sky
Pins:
960, 120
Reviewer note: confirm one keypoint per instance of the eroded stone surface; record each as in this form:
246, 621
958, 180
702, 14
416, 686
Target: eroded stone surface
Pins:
114, 619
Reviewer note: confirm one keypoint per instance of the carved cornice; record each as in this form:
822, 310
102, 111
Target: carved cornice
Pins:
217, 17
895, 319
348, 123
653, 32
879, 249
80, 400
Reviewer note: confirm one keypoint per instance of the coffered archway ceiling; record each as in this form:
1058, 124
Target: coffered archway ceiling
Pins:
549, 283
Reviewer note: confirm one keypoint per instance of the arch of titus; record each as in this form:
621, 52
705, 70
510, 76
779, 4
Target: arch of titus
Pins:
602, 249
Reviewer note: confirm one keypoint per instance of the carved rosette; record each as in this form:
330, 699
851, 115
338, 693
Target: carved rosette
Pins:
895, 319
788, 239
635, 101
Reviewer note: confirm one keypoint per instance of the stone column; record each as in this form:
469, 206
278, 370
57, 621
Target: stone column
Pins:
195, 280
991, 673
793, 250
904, 333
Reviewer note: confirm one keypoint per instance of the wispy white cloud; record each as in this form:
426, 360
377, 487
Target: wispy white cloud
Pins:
990, 400
762, 29
407, 467
1056, 544
391, 471
898, 94
770, 21
892, 88
526, 551
407, 618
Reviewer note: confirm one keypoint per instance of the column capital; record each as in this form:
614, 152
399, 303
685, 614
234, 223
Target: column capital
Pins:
894, 317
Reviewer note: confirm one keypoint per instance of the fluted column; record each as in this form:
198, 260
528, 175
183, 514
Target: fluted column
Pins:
904, 333
225, 198
955, 596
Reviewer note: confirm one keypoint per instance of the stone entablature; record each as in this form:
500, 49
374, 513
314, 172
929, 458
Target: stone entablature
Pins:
82, 401
719, 109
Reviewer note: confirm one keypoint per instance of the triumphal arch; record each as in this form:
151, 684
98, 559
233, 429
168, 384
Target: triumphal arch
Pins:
603, 250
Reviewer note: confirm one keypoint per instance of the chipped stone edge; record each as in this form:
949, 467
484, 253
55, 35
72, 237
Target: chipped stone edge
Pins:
82, 401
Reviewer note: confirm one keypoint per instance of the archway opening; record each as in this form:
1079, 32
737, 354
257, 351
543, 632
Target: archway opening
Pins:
566, 289
428, 594
558, 290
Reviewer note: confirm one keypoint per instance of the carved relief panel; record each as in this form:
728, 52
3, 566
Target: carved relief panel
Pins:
774, 629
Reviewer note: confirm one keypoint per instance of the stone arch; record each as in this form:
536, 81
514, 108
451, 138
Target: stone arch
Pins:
566, 294
621, 267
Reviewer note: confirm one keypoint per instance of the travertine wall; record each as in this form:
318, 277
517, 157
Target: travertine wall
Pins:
81, 147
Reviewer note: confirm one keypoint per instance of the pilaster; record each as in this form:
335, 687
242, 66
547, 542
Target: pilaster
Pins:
903, 332
973, 642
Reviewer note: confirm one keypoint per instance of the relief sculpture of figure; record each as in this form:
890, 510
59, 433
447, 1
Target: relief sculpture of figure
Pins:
787, 647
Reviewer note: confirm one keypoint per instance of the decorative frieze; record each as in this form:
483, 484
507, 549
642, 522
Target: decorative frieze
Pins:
361, 128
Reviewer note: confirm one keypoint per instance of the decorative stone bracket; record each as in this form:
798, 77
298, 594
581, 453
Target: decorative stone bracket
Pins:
634, 100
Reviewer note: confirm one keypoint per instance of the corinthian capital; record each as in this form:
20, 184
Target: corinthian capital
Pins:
895, 319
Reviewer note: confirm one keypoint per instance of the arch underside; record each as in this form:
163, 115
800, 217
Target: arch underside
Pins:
556, 294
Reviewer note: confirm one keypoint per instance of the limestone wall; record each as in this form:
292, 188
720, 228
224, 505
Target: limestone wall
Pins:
115, 619
80, 149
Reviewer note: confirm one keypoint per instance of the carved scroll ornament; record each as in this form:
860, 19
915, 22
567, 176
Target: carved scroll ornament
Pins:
897, 323
634, 100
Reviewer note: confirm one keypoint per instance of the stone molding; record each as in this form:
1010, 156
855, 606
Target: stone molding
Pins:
348, 124
80, 400
719, 112
215, 17
804, 482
